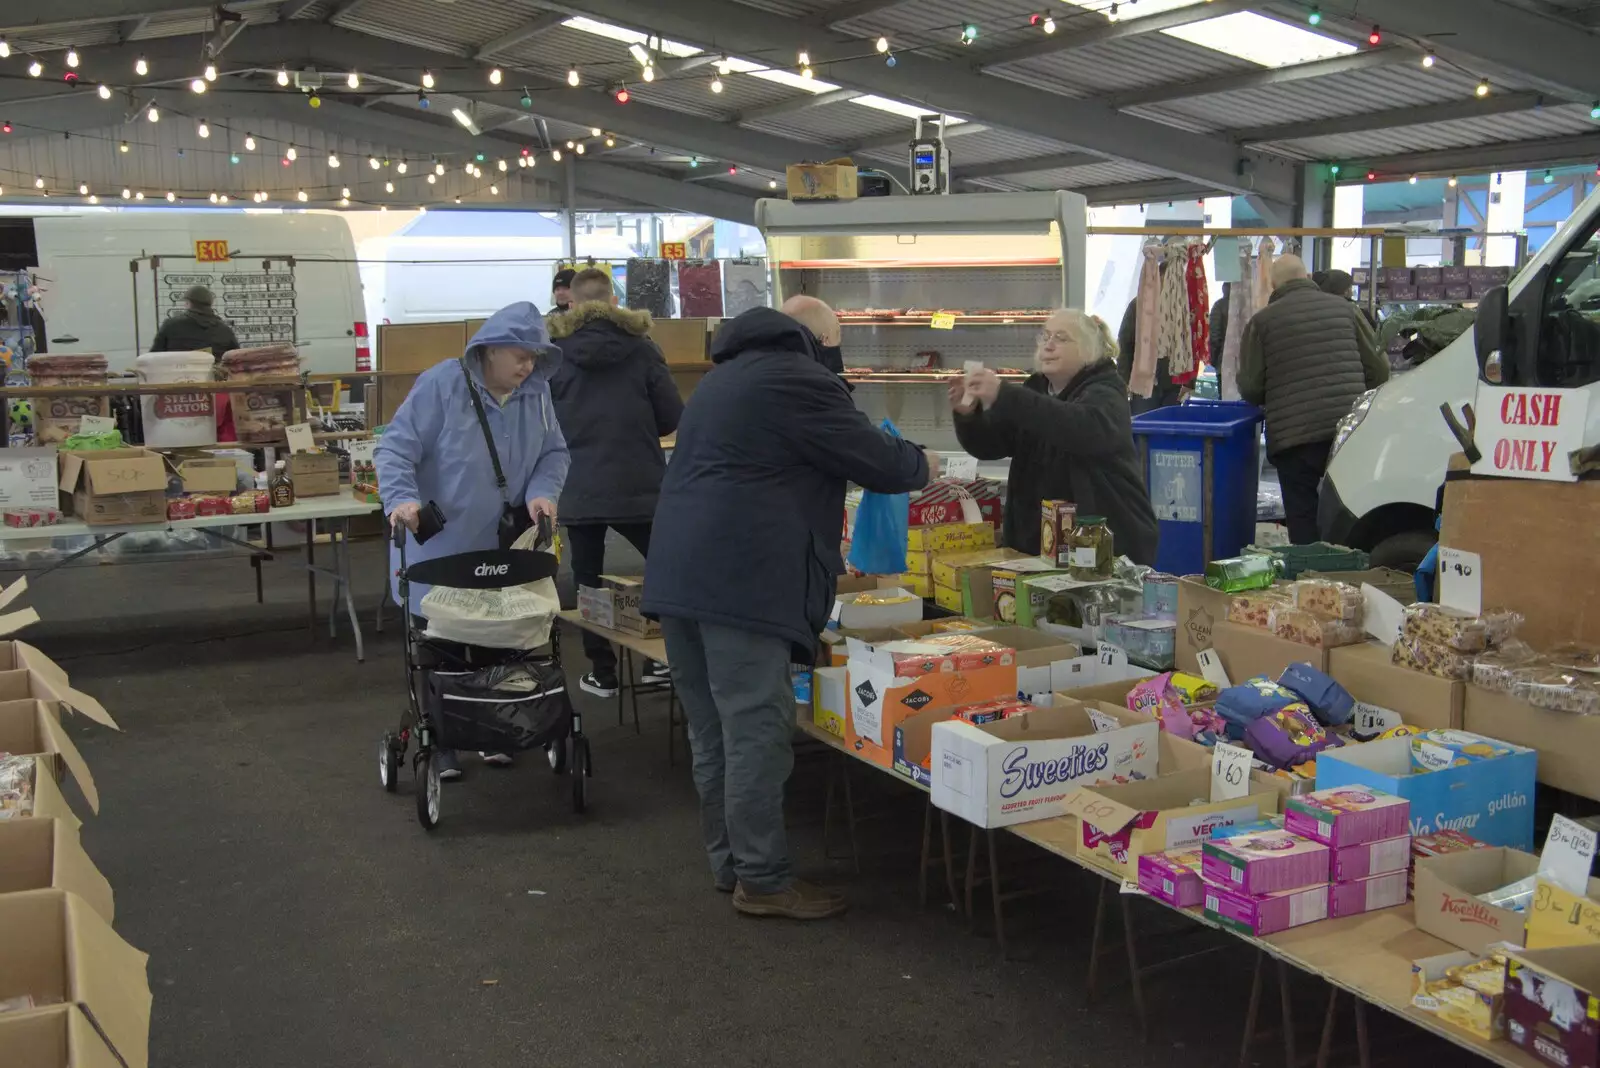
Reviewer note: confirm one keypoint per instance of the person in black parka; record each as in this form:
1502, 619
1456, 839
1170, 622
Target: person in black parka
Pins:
615, 401
742, 569
1068, 433
197, 328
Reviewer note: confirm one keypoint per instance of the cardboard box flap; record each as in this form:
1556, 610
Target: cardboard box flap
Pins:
112, 980
58, 1037
37, 854
74, 870
125, 471
71, 468
48, 800
61, 745
54, 680
1176, 790
1577, 966
1100, 812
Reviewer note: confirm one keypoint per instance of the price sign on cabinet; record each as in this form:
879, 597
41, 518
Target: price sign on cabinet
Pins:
1461, 580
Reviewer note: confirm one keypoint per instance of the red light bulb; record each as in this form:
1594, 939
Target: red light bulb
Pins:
623, 96
1374, 38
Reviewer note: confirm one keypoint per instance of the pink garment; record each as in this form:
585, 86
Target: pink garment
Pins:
1199, 317
1147, 324
1263, 288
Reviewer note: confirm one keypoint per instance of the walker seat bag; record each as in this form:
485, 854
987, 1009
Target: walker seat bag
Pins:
499, 598
878, 544
503, 709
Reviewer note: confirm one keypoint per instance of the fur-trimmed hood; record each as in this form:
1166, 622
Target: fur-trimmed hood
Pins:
569, 322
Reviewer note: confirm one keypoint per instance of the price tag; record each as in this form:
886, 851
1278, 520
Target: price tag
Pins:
1568, 855
1211, 668
363, 452
962, 467
943, 321
1461, 580
1113, 656
1230, 771
1102, 722
300, 439
1131, 886
838, 606
1383, 614
1370, 720
96, 424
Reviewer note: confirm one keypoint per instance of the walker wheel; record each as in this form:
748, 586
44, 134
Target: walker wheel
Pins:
430, 789
389, 762
556, 754
581, 771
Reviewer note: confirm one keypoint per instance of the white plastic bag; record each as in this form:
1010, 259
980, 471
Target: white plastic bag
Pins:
514, 617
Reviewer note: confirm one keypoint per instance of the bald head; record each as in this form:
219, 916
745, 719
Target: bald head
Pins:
814, 315
1286, 269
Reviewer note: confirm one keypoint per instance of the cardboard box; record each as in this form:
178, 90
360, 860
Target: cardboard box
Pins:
1473, 1011
880, 699
54, 946
1447, 902
1200, 609
1566, 743
1422, 700
48, 801
203, 473
1009, 604
1491, 800
1455, 275
314, 474
948, 567
948, 599
28, 478
821, 181
1551, 1009
1056, 521
60, 1036
1026, 767
829, 703
1428, 276
855, 616
1247, 651
682, 340
115, 485
951, 538
1557, 917
1119, 823
616, 606
30, 728
41, 854
921, 585
835, 646
25, 672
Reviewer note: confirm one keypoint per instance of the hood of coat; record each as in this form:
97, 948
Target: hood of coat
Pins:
763, 330
1294, 285
567, 323
517, 326
596, 334
203, 316
1094, 372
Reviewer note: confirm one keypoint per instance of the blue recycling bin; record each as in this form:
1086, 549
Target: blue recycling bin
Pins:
1201, 468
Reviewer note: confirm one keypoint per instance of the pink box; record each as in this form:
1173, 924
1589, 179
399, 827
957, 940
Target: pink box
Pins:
1264, 863
1371, 858
1268, 913
1347, 815
1172, 877
1368, 895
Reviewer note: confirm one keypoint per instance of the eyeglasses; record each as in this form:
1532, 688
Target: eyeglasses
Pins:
1060, 337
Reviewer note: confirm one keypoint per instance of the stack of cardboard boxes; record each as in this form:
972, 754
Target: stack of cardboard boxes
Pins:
73, 994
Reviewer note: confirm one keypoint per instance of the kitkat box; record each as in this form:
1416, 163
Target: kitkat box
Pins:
1552, 1011
1264, 863
1347, 815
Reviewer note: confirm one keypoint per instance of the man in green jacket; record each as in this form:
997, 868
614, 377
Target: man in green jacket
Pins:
196, 328
1306, 358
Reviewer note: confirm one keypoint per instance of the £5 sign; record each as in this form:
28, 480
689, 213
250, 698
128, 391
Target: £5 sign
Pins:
1526, 432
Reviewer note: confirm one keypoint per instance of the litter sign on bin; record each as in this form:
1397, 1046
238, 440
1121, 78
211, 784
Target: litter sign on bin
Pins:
1175, 485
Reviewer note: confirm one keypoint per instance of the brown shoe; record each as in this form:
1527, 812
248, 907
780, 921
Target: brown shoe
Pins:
802, 901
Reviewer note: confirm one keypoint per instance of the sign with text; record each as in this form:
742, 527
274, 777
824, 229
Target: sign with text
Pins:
1230, 771
674, 250
962, 467
211, 251
96, 424
943, 321
1461, 580
1525, 432
300, 438
1211, 668
1568, 855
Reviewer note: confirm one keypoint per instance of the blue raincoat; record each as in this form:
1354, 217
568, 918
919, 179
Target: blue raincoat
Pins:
434, 450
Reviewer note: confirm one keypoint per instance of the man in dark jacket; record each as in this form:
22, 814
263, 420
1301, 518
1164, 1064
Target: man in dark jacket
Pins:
615, 401
742, 573
1306, 357
195, 329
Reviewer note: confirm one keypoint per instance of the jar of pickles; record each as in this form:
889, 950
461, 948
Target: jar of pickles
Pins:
1092, 553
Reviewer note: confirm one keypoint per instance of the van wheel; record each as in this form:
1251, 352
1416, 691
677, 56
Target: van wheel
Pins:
1403, 551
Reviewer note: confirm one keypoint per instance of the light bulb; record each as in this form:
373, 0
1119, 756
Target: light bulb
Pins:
170, 197
203, 130
402, 166
611, 142
495, 76
83, 188
555, 154
522, 161
5, 48
1412, 180
494, 190
153, 115
805, 72
883, 44
38, 183
716, 85
138, 196
210, 72
94, 200
501, 165
223, 198
579, 150
104, 92
333, 160
283, 76
595, 131
290, 153
572, 144
140, 67
35, 68
353, 80
301, 196
1483, 87
1049, 24
804, 58
432, 179
198, 85
772, 183
388, 187
249, 142
1427, 59
458, 200
344, 202
372, 161
213, 198
649, 74
427, 79
72, 58
123, 147
344, 191
572, 77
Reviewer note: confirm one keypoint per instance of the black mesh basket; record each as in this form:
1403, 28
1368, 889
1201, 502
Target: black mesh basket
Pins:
504, 709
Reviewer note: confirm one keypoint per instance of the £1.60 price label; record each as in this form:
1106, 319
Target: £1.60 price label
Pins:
1230, 771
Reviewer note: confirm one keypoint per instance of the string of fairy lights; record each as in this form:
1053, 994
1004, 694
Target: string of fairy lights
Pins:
422, 173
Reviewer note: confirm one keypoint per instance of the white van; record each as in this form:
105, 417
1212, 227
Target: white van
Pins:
1382, 489
110, 277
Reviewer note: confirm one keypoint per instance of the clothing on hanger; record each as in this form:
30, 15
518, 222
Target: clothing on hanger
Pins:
1199, 334
1241, 306
1147, 322
1172, 338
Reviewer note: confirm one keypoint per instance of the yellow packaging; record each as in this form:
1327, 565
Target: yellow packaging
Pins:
1558, 918
947, 598
921, 585
947, 567
951, 537
919, 563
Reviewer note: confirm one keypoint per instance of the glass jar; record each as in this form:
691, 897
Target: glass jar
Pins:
1092, 553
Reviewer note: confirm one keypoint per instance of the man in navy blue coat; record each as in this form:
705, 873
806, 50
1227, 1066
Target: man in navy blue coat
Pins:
742, 569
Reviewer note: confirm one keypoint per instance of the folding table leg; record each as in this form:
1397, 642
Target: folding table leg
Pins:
923, 858
624, 673
972, 864
994, 894
1133, 963
1253, 1011
1363, 1050
1287, 1003
1325, 1046
949, 860
850, 814
1089, 990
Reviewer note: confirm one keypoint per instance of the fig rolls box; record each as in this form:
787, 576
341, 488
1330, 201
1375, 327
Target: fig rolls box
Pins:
1347, 815
1367, 895
1265, 863
1552, 1011
1268, 913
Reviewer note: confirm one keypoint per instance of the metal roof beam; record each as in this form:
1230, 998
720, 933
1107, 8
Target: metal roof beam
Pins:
1510, 155
341, 9
1450, 111
903, 140
793, 104
853, 63
517, 34
1507, 36
1066, 41
1000, 168
850, 9
1143, 192
1257, 79
67, 12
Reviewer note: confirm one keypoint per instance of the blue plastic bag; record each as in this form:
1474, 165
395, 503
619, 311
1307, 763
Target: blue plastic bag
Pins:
878, 546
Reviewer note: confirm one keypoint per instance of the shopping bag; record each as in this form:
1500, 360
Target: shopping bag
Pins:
511, 617
878, 545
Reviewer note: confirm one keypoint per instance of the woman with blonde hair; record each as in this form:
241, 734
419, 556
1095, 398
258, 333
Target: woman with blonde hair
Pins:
1067, 432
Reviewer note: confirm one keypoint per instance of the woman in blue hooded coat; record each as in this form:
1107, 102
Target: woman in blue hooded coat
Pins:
434, 448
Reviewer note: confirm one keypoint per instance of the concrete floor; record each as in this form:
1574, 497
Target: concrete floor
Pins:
295, 914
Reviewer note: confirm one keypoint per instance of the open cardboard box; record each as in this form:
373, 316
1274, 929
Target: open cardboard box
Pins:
1119, 823
879, 698
1447, 889
1023, 768
60, 1036
851, 615
1485, 1017
56, 948
829, 703
25, 672
1422, 700
41, 854
115, 485
30, 728
1567, 744
1200, 609
1249, 651
1552, 1004
1558, 917
200, 472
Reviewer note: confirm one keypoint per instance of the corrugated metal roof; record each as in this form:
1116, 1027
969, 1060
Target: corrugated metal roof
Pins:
1130, 63
1520, 126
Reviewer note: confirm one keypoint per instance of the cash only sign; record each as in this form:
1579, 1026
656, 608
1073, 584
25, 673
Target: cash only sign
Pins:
1527, 432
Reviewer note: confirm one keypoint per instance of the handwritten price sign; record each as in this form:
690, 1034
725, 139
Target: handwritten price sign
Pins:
1230, 772
1461, 580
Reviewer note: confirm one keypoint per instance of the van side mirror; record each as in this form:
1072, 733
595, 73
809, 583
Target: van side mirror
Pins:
1491, 333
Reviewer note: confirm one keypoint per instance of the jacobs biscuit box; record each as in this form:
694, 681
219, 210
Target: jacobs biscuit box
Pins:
1367, 859
1264, 863
1347, 815
1368, 895
1267, 913
935, 653
1172, 877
